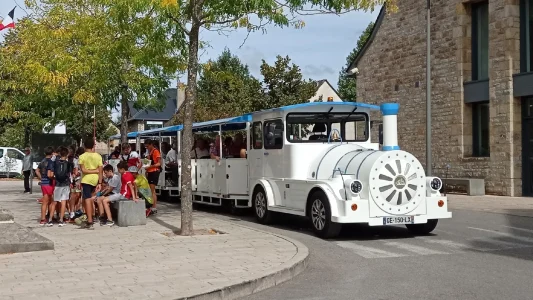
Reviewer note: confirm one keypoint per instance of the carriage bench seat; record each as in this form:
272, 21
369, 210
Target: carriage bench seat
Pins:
474, 186
129, 213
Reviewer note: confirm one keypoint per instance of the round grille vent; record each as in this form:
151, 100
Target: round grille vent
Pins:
397, 182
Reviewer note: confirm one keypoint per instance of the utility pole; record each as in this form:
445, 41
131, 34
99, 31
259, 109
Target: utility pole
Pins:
428, 91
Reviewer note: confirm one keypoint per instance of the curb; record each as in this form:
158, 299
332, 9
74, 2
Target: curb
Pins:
281, 274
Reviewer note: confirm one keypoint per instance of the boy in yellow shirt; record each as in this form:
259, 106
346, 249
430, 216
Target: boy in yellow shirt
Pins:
90, 164
142, 188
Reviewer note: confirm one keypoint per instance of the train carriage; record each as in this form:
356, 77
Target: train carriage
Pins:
317, 160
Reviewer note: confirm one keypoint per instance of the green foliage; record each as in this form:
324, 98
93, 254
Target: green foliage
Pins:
283, 85
225, 88
347, 87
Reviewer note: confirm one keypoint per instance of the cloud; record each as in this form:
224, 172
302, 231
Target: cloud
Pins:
252, 57
317, 71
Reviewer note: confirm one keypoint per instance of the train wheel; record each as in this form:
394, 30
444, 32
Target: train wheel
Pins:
422, 229
320, 216
260, 205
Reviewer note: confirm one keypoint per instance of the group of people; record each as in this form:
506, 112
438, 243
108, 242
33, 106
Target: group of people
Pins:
77, 181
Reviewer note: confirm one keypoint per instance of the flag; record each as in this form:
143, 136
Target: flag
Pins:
8, 22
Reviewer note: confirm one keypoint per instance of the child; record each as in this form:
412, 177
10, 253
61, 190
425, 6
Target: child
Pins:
47, 187
90, 164
143, 189
127, 192
61, 173
112, 191
131, 157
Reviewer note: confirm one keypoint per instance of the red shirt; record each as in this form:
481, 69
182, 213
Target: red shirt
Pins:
126, 178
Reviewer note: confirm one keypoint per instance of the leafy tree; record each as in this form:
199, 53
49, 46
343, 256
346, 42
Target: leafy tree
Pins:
100, 56
347, 87
225, 88
192, 15
283, 85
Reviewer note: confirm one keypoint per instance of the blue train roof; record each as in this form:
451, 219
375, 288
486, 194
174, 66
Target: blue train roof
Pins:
314, 104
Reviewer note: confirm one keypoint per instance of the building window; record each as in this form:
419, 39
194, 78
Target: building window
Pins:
526, 36
480, 41
153, 125
480, 130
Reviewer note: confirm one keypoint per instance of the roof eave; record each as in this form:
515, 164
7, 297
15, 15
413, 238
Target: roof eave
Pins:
367, 44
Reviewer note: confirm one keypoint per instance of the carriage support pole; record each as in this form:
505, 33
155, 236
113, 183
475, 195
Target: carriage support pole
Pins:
428, 91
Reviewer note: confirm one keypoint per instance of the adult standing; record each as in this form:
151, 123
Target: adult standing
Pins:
27, 166
153, 171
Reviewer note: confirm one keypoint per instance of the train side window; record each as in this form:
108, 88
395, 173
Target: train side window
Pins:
257, 135
273, 133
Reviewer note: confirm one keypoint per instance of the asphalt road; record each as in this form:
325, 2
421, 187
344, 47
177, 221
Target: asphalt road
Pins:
474, 255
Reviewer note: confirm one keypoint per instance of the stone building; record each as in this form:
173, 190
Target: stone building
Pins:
482, 86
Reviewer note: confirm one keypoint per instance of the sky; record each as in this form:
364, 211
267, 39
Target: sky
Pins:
320, 48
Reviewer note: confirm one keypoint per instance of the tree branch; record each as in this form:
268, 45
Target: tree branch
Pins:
180, 24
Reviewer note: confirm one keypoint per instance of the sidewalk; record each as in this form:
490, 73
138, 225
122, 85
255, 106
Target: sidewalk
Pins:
144, 262
518, 206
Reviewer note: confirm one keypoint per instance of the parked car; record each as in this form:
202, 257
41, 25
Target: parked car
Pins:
11, 162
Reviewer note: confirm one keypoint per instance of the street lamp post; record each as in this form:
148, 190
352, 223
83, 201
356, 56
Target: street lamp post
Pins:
428, 91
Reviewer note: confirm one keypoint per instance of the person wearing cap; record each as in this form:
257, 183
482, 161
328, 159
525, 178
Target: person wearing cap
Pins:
27, 164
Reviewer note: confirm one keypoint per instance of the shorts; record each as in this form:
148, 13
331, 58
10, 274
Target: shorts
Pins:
61, 193
76, 187
48, 190
87, 190
153, 177
116, 197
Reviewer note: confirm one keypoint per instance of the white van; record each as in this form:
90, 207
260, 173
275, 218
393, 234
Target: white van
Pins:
11, 161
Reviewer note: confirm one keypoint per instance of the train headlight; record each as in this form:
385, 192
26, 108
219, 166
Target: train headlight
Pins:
435, 184
356, 186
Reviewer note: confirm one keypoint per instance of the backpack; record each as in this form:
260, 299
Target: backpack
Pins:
43, 168
62, 170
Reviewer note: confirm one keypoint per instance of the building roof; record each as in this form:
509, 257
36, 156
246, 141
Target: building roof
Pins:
320, 82
154, 115
369, 41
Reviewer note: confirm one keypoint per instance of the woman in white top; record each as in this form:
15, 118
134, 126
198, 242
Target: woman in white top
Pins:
201, 150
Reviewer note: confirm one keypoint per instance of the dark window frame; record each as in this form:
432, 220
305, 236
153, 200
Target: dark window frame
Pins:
253, 137
342, 131
265, 131
526, 40
475, 44
477, 135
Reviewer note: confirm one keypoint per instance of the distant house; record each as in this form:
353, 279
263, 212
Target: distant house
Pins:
146, 119
327, 91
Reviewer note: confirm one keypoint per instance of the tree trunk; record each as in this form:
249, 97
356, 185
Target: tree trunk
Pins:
124, 116
190, 98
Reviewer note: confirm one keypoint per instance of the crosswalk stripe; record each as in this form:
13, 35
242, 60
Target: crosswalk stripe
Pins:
368, 252
500, 245
512, 236
520, 229
415, 249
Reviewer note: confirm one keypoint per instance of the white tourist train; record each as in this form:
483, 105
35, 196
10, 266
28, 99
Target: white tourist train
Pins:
314, 160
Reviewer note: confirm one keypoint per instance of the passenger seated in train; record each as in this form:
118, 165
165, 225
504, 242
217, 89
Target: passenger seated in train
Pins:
318, 132
237, 148
171, 164
200, 150
214, 149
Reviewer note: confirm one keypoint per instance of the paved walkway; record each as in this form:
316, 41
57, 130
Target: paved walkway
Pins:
518, 206
142, 262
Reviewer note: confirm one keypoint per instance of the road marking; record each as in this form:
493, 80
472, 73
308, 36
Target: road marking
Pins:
520, 229
500, 245
415, 249
368, 252
512, 236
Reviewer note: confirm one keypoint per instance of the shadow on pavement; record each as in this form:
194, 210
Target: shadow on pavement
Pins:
517, 234
357, 232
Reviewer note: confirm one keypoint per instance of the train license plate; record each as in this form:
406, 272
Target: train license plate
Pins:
398, 220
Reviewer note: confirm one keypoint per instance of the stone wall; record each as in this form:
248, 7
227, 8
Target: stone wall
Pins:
393, 69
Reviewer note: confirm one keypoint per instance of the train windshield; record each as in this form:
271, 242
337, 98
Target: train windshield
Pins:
319, 127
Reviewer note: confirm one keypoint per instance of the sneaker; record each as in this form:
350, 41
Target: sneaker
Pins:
89, 225
50, 223
61, 223
42, 223
109, 223
148, 212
